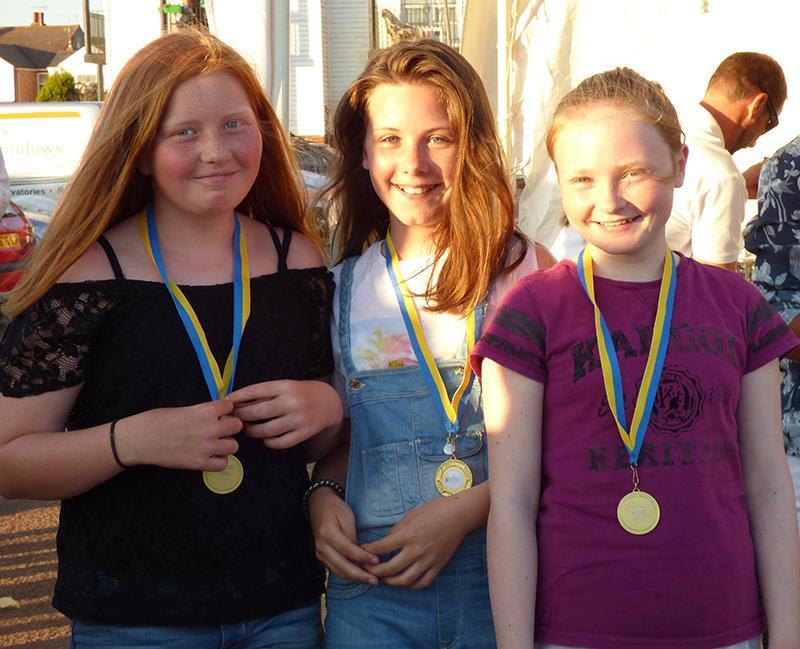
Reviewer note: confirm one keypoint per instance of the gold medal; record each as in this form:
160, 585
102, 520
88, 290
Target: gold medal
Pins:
452, 477
638, 512
227, 480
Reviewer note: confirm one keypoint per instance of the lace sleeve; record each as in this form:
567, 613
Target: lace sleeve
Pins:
47, 347
320, 292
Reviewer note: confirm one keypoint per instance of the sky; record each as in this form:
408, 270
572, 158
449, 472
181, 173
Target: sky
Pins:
56, 12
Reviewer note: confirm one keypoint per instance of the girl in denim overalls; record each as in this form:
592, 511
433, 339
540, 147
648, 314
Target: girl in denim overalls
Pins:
428, 246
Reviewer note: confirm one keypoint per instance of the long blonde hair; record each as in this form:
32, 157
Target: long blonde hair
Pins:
478, 225
107, 186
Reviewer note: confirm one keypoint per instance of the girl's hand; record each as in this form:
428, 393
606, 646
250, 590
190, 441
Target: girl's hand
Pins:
334, 528
196, 437
285, 413
426, 538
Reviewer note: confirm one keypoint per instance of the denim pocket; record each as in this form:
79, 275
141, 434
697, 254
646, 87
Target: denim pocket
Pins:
390, 478
344, 588
430, 453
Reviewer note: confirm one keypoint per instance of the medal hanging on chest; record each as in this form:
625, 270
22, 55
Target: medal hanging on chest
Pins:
219, 384
638, 512
452, 475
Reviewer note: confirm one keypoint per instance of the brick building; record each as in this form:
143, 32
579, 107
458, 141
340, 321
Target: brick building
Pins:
34, 48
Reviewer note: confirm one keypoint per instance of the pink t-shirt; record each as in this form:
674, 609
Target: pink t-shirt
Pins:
691, 582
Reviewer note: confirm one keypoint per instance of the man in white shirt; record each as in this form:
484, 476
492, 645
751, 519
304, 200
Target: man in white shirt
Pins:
742, 102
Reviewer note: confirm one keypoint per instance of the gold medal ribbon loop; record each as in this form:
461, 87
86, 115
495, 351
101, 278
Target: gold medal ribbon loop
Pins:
635, 477
447, 408
219, 384
612, 377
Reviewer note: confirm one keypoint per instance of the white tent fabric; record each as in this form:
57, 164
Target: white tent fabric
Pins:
259, 30
553, 44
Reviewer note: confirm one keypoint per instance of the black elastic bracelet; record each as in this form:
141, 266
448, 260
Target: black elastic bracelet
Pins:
114, 444
322, 482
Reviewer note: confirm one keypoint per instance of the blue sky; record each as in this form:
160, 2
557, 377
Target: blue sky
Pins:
56, 12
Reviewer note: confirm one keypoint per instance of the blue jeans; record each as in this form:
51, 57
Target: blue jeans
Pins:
297, 629
452, 613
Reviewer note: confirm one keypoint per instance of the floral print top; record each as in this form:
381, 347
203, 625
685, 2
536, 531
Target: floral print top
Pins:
774, 238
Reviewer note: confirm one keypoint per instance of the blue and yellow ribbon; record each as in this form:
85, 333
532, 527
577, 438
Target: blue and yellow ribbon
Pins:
448, 408
218, 384
612, 378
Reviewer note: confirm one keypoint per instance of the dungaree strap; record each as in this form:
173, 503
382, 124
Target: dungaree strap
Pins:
345, 290
112, 257
282, 247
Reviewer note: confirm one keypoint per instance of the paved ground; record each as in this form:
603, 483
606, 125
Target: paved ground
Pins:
27, 573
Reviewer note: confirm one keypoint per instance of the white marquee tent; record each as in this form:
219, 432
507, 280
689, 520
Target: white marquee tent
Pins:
531, 52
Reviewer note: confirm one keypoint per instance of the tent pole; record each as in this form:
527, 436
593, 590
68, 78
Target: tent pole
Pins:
503, 57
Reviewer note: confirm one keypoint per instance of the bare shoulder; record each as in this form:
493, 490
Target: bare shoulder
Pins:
535, 256
544, 258
92, 265
303, 253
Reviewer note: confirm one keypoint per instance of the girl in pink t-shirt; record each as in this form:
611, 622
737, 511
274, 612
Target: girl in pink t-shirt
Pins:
640, 497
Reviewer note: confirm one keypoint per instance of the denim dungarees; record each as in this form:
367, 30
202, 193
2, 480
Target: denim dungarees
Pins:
396, 445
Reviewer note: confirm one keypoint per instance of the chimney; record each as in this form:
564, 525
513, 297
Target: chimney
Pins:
38, 18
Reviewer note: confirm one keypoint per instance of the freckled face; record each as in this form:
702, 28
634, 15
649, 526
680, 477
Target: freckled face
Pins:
207, 152
617, 175
410, 152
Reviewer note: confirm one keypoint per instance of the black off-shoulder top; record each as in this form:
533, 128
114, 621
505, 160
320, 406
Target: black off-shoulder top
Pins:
152, 545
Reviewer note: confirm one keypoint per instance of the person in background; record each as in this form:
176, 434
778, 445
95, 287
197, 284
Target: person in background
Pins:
774, 238
744, 98
177, 273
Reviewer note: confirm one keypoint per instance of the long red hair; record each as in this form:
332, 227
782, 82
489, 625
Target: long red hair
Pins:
107, 187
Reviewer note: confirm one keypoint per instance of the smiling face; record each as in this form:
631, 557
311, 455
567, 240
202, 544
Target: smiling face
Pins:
410, 152
207, 152
617, 175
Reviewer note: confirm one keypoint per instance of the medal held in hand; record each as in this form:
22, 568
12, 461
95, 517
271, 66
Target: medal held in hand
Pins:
638, 512
219, 384
452, 475
227, 480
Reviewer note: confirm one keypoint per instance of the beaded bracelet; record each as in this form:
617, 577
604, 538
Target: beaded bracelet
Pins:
322, 482
114, 444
